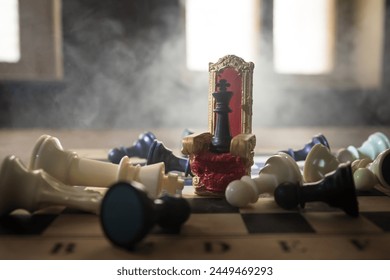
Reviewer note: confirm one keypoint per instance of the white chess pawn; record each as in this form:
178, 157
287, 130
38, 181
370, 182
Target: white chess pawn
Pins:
278, 169
371, 148
370, 173
70, 169
366, 173
32, 190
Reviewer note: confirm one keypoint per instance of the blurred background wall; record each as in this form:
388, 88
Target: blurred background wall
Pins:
124, 66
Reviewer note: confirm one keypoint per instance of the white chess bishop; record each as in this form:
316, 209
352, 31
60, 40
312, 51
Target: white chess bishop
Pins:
69, 168
278, 169
32, 190
367, 173
371, 148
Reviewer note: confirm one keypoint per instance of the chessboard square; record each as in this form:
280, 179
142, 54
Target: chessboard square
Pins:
25, 224
214, 224
211, 205
381, 219
276, 223
339, 223
75, 225
263, 205
374, 203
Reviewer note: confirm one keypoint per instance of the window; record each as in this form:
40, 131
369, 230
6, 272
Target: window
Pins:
33, 47
9, 31
220, 27
303, 44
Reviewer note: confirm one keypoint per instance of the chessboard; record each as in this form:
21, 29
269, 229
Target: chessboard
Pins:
215, 230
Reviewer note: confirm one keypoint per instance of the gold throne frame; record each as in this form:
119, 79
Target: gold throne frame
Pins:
243, 144
245, 70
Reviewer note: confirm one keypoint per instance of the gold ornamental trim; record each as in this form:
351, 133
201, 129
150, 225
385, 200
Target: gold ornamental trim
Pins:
245, 70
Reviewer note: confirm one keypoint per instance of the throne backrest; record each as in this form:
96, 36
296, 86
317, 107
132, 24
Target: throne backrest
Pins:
239, 74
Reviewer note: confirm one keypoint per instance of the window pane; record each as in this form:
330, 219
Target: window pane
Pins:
304, 36
215, 28
9, 31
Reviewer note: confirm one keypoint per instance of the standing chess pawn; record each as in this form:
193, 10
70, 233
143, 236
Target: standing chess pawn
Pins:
337, 189
159, 153
277, 169
299, 155
371, 148
127, 214
366, 173
140, 148
32, 190
70, 169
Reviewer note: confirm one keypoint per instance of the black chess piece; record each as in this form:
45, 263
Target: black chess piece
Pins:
220, 143
159, 153
337, 189
140, 148
302, 154
127, 214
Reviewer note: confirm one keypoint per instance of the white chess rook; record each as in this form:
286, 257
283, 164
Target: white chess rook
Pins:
32, 190
367, 173
71, 169
278, 169
371, 148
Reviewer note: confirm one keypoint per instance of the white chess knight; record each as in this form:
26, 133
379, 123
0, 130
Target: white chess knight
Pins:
371, 148
69, 168
32, 190
278, 169
366, 173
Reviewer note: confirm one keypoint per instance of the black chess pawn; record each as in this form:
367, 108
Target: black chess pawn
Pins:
337, 189
127, 214
302, 154
140, 148
159, 153
220, 143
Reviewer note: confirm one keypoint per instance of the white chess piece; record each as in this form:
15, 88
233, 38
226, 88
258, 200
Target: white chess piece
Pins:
32, 190
371, 148
369, 173
277, 169
70, 169
318, 163
366, 173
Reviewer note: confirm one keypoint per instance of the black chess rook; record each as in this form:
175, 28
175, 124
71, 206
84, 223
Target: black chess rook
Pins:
220, 142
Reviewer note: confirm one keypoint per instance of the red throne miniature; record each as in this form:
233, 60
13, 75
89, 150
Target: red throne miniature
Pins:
225, 153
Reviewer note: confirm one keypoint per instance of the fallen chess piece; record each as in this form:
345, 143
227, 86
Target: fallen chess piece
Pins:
299, 155
337, 189
159, 153
128, 214
140, 148
32, 190
69, 168
371, 148
366, 173
277, 169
